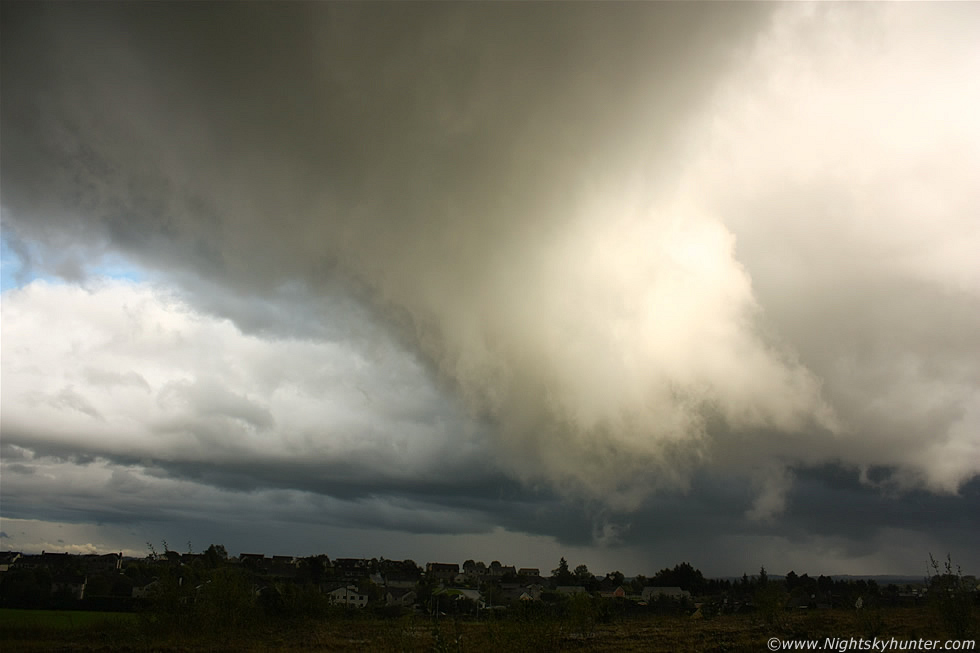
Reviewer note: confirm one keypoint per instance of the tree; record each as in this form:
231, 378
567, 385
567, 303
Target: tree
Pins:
825, 585
951, 597
25, 588
314, 568
791, 581
374, 593
215, 555
561, 575
807, 583
683, 575
770, 601
638, 583
689, 578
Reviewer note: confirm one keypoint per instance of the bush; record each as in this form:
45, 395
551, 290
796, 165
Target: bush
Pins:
951, 598
223, 601
582, 614
770, 602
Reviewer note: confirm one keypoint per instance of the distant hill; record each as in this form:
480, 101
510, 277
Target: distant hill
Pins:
886, 579
881, 579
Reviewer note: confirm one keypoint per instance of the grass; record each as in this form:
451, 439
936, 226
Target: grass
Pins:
67, 630
12, 619
27, 630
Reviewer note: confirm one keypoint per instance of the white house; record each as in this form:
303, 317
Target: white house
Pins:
348, 596
653, 593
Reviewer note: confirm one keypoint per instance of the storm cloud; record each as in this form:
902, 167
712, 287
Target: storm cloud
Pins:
708, 264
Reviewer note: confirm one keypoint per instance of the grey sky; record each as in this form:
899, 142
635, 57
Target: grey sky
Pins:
641, 281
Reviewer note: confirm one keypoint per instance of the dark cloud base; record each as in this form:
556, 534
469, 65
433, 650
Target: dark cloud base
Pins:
828, 501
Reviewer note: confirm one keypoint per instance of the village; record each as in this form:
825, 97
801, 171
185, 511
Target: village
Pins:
349, 582
114, 582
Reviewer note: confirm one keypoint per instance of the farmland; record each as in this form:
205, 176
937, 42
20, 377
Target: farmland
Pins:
29, 630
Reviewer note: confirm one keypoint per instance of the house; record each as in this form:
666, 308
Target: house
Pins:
47, 560
472, 595
570, 589
497, 570
55, 559
398, 573
461, 593
283, 566
400, 597
473, 569
441, 571
511, 594
530, 572
8, 558
146, 590
401, 581
95, 563
654, 593
352, 567
534, 591
349, 596
255, 561
618, 593
72, 585
398, 566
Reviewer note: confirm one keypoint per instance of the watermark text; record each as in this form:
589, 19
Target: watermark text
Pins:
844, 644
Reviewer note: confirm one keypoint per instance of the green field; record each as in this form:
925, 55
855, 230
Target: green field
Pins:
29, 630
69, 630
13, 619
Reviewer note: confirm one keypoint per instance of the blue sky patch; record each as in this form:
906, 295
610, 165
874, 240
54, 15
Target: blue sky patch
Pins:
22, 261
